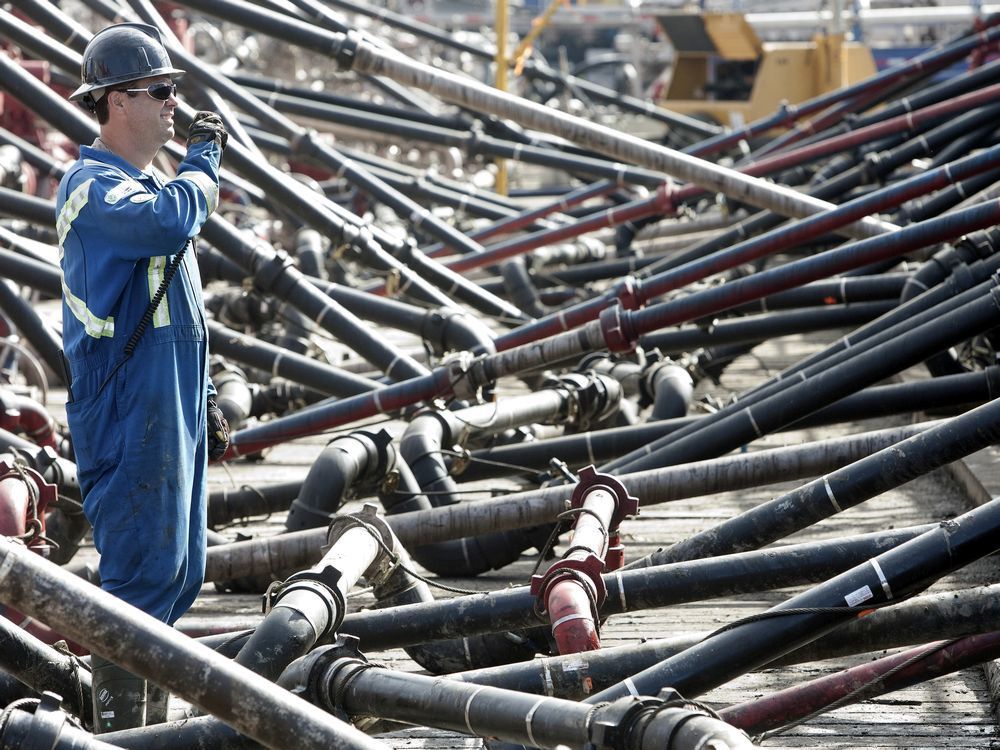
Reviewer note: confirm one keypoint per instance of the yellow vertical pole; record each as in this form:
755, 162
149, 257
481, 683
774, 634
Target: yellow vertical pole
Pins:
502, 62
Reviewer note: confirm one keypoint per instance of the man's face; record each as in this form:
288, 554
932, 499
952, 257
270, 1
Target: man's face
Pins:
150, 120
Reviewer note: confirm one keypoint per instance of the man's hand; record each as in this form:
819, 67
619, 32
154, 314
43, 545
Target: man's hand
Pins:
207, 126
218, 431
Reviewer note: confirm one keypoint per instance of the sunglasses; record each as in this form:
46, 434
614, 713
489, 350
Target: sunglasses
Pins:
160, 91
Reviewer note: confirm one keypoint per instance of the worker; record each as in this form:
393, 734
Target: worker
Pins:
140, 409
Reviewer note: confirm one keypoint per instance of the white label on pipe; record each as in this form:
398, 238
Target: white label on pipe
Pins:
855, 598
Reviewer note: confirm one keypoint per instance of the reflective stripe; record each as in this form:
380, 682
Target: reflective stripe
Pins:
71, 209
154, 277
93, 325
205, 184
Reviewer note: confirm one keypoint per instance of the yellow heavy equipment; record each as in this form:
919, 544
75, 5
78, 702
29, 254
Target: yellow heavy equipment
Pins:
723, 71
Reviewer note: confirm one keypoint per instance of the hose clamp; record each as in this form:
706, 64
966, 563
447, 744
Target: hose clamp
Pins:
268, 273
616, 328
611, 724
461, 378
590, 480
46, 724
368, 518
310, 677
345, 52
322, 584
586, 571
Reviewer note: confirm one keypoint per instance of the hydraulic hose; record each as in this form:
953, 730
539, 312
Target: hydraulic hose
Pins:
935, 394
737, 426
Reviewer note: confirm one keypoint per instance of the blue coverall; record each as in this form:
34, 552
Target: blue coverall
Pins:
138, 425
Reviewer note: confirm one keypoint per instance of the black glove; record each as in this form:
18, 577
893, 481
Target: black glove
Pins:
207, 126
218, 431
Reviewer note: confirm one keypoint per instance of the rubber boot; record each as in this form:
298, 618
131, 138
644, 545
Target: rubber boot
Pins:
157, 704
119, 697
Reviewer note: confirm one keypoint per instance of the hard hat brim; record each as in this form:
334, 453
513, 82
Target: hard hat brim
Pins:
89, 88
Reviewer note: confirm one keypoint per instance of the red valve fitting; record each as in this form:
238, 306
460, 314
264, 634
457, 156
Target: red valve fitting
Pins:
617, 329
24, 496
572, 590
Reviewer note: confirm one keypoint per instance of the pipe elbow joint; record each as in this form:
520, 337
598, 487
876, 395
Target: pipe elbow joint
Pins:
569, 595
669, 387
19, 516
233, 395
274, 268
448, 330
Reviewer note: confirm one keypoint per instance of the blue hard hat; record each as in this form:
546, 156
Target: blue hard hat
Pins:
118, 54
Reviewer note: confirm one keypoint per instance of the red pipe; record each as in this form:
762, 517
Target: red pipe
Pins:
14, 505
926, 663
22, 414
17, 514
571, 611
516, 223
660, 203
873, 132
